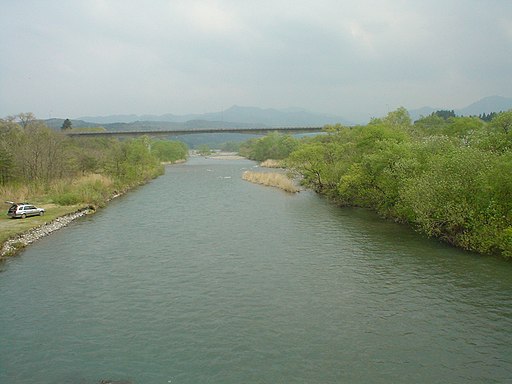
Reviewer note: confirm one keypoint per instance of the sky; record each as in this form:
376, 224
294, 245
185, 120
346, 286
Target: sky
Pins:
351, 58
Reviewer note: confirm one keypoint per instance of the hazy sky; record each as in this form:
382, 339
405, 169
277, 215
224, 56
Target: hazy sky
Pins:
346, 57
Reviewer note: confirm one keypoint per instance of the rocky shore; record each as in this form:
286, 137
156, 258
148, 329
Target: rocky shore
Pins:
18, 242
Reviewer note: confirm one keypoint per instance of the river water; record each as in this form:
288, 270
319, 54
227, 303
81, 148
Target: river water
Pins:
201, 277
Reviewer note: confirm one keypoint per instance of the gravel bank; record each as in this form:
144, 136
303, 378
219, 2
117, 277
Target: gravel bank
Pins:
16, 243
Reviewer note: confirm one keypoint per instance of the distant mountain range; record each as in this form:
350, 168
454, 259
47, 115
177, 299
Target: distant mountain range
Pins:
486, 105
236, 114
252, 117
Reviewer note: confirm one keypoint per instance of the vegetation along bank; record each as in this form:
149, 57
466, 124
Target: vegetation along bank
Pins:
449, 177
68, 176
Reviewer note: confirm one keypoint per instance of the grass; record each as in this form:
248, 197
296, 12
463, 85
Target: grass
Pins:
272, 164
12, 227
58, 198
272, 179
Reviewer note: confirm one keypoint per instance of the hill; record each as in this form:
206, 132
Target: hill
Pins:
236, 114
485, 105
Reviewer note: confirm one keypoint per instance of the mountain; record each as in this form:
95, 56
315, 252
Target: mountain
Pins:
57, 123
236, 114
170, 125
110, 119
485, 105
254, 117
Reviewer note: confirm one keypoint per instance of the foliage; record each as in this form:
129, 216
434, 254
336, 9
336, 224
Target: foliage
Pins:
444, 114
169, 151
447, 176
6, 166
66, 124
131, 162
230, 146
502, 122
204, 150
37, 161
273, 146
487, 116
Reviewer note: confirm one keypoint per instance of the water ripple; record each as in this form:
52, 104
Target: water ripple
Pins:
195, 278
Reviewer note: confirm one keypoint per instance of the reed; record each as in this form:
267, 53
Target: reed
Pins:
22, 192
93, 189
269, 163
272, 179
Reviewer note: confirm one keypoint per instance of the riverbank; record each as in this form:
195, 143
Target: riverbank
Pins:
16, 234
16, 243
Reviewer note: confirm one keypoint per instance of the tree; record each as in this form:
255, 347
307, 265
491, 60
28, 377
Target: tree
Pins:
26, 119
273, 146
66, 124
445, 114
204, 150
6, 166
169, 151
502, 121
398, 118
462, 126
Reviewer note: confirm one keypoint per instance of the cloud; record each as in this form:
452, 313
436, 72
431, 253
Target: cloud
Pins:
345, 57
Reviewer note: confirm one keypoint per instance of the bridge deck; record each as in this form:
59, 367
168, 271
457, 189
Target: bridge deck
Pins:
252, 131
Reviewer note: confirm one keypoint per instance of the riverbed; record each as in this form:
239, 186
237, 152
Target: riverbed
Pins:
201, 277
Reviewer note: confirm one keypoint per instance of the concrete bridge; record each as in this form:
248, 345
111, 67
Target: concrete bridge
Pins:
193, 131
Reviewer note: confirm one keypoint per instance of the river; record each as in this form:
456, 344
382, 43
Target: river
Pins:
201, 277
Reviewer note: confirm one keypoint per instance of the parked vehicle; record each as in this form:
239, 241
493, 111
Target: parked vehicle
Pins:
24, 210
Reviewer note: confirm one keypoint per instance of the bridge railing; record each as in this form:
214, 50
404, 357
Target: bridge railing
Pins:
168, 132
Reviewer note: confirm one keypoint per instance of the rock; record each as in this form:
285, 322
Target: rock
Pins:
18, 242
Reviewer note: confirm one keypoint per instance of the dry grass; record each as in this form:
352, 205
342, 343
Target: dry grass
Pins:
19, 193
271, 179
272, 164
82, 191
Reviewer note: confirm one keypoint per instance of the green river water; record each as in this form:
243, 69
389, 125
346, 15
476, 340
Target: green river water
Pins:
201, 277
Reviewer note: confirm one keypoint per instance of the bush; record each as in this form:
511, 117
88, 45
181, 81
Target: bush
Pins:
66, 198
451, 181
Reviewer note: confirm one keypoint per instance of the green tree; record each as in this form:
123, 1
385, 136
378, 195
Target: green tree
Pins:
169, 151
37, 150
131, 162
431, 125
462, 126
66, 125
273, 146
502, 122
398, 118
204, 150
444, 114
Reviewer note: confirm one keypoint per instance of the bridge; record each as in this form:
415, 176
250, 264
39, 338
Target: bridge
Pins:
192, 131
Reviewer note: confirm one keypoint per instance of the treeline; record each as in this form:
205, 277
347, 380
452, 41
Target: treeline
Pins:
273, 146
446, 114
449, 177
38, 162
